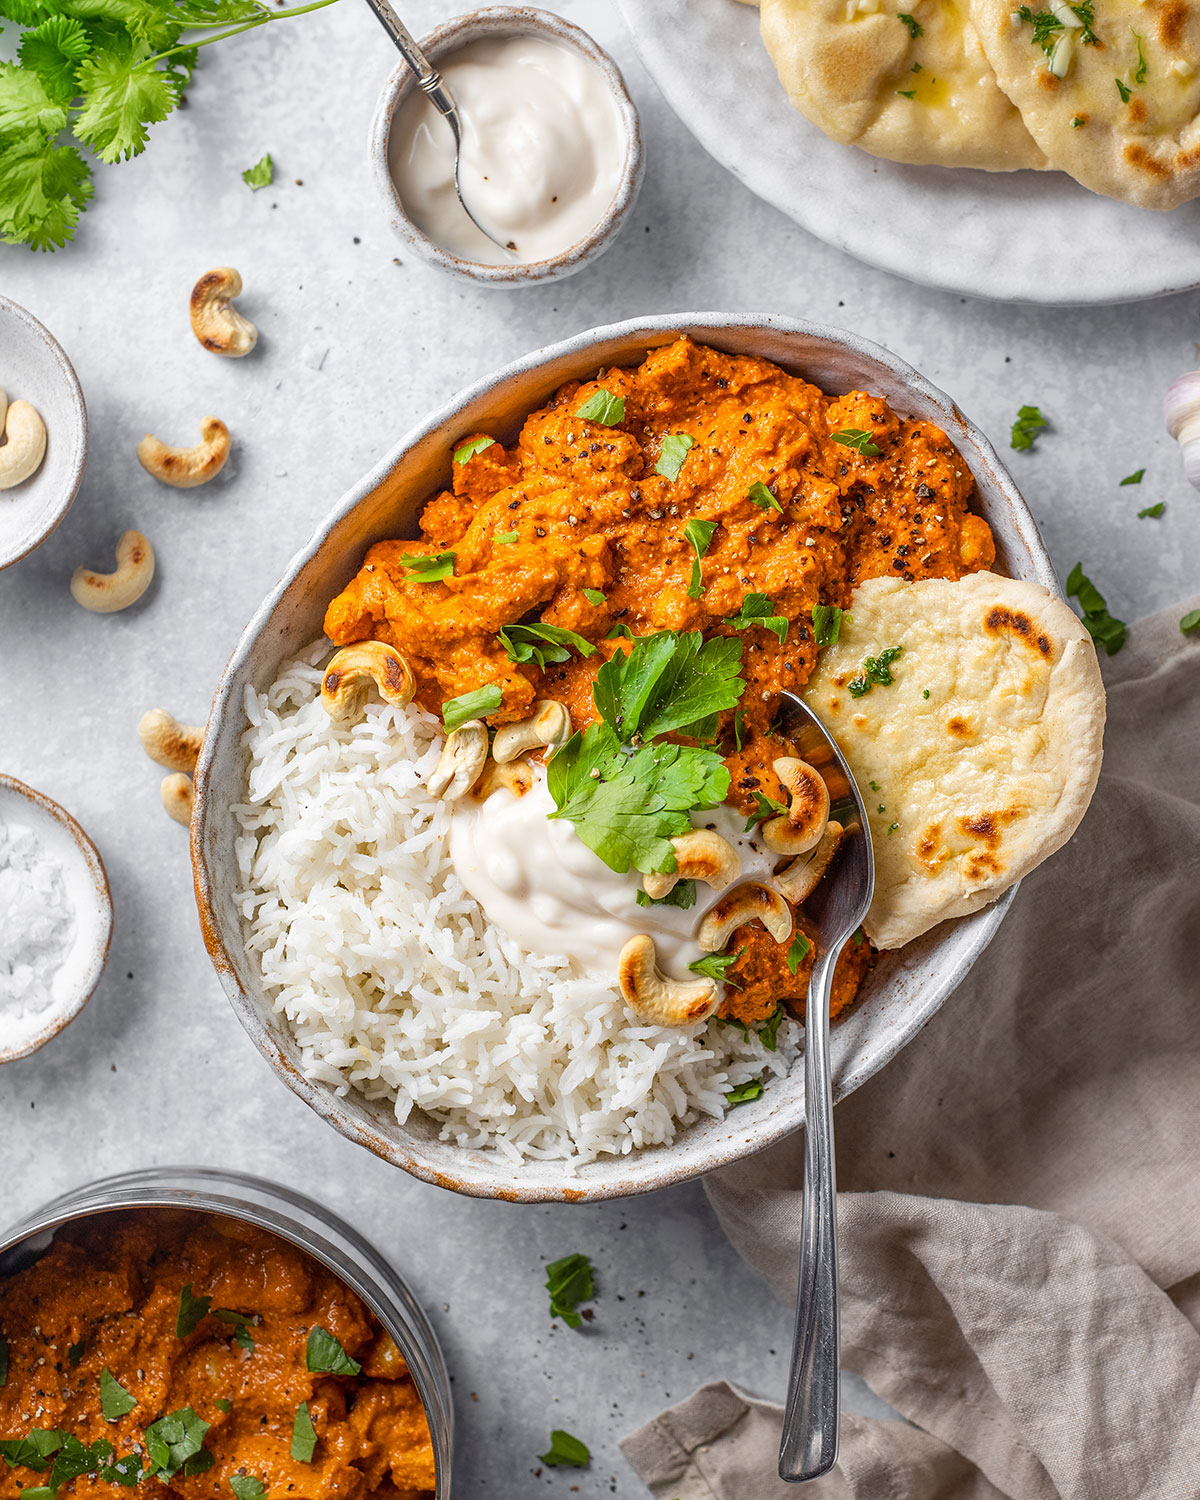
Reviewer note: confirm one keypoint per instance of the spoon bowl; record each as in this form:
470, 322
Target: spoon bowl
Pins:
838, 905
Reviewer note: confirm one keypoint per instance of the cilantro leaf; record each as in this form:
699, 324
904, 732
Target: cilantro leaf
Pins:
175, 1441
827, 624
565, 1450
603, 408
1135, 478
304, 1435
767, 808
25, 106
1190, 622
1027, 426
484, 700
1152, 510
668, 684
744, 1092
115, 1400
324, 1355
247, 1486
121, 100
595, 596
756, 610
798, 952
569, 1281
671, 454
854, 437
52, 51
682, 894
875, 669
261, 174
1100, 625
758, 494
543, 644
430, 567
699, 535
43, 190
469, 450
915, 29
717, 966
191, 1310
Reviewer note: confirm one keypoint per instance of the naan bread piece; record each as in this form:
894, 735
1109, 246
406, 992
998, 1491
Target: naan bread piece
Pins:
1124, 117
856, 70
980, 757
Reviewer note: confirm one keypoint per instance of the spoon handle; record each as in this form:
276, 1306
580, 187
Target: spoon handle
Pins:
810, 1425
429, 80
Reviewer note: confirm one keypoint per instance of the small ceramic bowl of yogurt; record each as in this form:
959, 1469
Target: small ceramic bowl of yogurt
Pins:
56, 919
552, 149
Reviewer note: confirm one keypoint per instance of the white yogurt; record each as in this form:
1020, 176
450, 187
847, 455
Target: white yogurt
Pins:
37, 924
543, 150
538, 882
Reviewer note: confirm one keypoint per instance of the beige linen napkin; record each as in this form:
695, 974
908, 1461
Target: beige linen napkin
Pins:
1020, 1188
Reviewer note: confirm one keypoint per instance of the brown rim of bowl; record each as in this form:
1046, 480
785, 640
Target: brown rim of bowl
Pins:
95, 865
67, 370
495, 20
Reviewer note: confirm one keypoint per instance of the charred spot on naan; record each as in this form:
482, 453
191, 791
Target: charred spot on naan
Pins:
987, 826
1001, 619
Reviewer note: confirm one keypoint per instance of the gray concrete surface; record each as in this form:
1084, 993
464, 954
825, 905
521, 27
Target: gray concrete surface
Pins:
358, 341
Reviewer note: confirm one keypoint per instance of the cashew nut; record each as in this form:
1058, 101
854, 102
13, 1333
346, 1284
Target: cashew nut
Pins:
176, 794
185, 468
168, 742
353, 669
215, 321
656, 999
105, 593
24, 444
548, 725
516, 776
800, 879
460, 762
699, 855
808, 808
746, 903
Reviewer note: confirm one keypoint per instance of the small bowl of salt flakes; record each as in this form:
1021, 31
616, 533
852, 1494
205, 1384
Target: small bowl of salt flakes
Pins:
55, 919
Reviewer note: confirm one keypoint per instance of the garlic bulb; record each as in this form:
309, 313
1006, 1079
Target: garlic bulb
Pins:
1181, 408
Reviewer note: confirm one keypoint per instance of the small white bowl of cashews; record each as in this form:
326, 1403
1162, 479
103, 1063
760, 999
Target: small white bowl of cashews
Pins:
43, 433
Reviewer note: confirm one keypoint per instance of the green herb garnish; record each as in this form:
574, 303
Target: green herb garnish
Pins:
699, 535
1077, 122
717, 966
876, 669
241, 1326
1085, 14
798, 952
246, 1486
758, 494
924, 692
484, 700
854, 437
767, 808
915, 29
1100, 625
191, 1310
827, 624
431, 568
603, 408
565, 1450
469, 450
1152, 510
744, 1092
261, 174
595, 596
681, 894
34, 1450
74, 1355
115, 1400
324, 1355
768, 1032
176, 1442
508, 539
543, 644
672, 453
222, 1404
1135, 478
126, 1471
757, 610
1026, 428
904, 94
1190, 621
304, 1435
1140, 75
570, 1281
858, 937
1124, 90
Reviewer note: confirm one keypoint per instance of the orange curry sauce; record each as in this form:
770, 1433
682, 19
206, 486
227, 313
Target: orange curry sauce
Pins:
590, 512
106, 1296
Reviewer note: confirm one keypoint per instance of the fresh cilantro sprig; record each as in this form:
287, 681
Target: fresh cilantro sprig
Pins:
570, 1281
543, 644
95, 73
1101, 626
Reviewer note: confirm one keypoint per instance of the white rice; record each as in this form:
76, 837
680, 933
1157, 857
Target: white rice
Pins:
395, 984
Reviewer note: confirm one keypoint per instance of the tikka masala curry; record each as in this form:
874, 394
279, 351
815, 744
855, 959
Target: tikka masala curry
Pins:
802, 496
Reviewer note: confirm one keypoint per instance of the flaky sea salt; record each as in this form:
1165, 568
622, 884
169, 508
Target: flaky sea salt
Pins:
37, 922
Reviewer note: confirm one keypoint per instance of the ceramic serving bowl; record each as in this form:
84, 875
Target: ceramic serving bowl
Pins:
903, 990
86, 887
34, 368
294, 1218
495, 22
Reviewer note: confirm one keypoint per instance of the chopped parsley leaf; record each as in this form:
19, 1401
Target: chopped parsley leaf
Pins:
757, 610
176, 1442
595, 596
924, 692
304, 1435
222, 1404
191, 1310
1124, 90
1135, 478
261, 174
543, 644
699, 535
1026, 428
1153, 511
744, 1092
115, 1400
1190, 621
681, 894
827, 624
876, 669
717, 966
854, 437
619, 630
1077, 122
570, 1281
1140, 75
767, 808
672, 453
484, 700
241, 1326
798, 952
246, 1486
1100, 625
768, 1032
915, 29
431, 568
74, 1355
324, 1355
858, 937
603, 408
758, 494
565, 1450
904, 94
33, 1451
470, 449
508, 538
1085, 14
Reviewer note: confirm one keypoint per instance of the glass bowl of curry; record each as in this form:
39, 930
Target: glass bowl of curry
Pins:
212, 1332
416, 494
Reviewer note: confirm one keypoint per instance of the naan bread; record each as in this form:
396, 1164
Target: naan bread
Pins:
1123, 122
970, 787
850, 66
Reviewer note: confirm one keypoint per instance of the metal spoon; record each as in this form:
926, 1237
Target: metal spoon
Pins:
838, 906
429, 81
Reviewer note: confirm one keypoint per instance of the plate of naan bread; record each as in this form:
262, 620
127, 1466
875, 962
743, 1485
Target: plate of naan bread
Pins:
1027, 154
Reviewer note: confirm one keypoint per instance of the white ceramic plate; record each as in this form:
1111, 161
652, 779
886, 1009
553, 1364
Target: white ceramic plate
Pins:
1013, 236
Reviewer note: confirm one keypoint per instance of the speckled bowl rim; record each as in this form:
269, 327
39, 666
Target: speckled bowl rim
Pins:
502, 1179
495, 20
62, 1018
9, 308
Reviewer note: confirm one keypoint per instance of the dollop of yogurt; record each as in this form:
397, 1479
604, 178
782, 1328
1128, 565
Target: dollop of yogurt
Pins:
542, 154
538, 882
